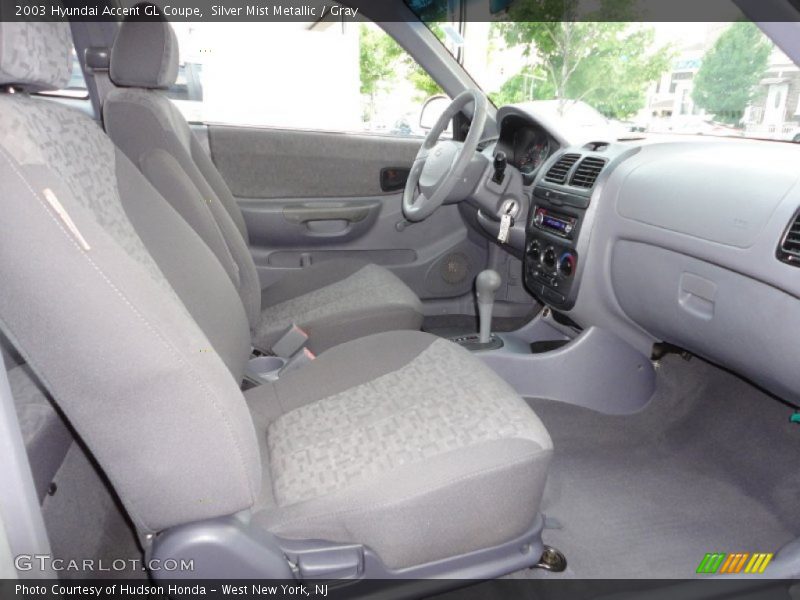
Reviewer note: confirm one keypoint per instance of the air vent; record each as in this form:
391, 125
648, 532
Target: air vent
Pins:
586, 173
789, 250
558, 172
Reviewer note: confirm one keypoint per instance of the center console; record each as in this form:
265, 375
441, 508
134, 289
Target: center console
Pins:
551, 265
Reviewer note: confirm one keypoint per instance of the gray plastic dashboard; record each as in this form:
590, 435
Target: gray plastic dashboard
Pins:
679, 245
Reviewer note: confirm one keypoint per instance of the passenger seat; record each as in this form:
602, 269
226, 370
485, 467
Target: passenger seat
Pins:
399, 454
334, 301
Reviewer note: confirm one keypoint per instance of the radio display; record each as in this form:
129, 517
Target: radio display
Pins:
553, 223
561, 225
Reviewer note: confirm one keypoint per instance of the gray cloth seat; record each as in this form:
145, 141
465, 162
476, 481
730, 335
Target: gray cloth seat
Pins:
421, 453
399, 440
334, 302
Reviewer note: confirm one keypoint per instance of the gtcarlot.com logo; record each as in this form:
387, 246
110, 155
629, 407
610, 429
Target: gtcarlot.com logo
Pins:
45, 562
719, 563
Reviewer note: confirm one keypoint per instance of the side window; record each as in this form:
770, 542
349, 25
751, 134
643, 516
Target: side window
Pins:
327, 76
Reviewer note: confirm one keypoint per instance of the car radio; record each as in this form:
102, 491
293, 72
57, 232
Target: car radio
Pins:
556, 223
551, 258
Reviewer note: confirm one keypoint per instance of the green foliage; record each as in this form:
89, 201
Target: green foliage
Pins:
530, 83
615, 75
554, 12
380, 60
378, 53
726, 81
418, 76
607, 63
423, 82
428, 11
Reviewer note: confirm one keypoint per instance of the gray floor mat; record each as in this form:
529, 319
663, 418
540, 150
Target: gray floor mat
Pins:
709, 465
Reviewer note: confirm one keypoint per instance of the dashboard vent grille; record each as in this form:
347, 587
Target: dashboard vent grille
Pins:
789, 250
558, 172
586, 173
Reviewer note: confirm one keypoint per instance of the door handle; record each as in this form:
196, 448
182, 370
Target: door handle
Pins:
394, 178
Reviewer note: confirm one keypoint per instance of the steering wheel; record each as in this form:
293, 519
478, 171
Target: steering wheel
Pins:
439, 165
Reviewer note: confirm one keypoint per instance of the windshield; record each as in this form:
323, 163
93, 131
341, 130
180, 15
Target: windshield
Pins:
631, 79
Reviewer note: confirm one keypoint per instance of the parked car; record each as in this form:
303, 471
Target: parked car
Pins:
692, 125
578, 119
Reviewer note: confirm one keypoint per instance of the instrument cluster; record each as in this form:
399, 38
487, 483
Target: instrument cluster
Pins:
526, 144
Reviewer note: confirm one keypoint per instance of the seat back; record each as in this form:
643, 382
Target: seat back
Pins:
87, 303
151, 131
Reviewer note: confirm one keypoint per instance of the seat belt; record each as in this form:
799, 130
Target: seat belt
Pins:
97, 65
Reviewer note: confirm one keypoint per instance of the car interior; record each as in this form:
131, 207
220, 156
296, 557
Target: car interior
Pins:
323, 356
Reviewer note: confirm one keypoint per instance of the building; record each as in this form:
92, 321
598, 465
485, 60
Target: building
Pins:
671, 95
775, 110
669, 101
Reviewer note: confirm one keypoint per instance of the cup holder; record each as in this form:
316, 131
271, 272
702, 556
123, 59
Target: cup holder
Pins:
265, 367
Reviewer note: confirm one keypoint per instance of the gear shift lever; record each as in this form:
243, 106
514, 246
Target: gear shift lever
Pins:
486, 285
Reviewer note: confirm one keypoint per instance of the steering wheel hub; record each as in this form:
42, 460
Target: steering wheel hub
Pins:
440, 165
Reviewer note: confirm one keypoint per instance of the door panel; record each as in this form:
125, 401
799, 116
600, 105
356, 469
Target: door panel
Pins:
312, 196
282, 163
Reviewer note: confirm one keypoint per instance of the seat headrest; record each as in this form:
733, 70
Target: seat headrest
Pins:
35, 56
145, 54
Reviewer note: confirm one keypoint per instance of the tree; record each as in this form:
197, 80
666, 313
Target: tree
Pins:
378, 55
418, 76
423, 82
429, 11
382, 59
530, 83
726, 81
605, 62
614, 77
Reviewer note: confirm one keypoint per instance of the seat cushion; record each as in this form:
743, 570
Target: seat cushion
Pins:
421, 452
337, 301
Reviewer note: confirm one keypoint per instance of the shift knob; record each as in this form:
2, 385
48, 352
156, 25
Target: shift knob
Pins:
486, 285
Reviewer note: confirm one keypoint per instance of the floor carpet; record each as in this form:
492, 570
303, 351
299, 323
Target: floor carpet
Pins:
709, 465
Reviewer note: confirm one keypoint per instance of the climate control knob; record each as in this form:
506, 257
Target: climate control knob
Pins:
549, 257
535, 250
566, 264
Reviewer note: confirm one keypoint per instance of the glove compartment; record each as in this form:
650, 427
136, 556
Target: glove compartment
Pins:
728, 318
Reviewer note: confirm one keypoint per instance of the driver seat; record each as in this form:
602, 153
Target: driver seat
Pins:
334, 301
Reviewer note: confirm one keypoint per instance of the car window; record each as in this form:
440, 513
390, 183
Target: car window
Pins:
634, 79
326, 76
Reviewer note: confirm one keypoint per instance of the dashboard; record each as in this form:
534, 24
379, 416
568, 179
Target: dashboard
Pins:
689, 240
695, 243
